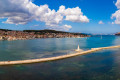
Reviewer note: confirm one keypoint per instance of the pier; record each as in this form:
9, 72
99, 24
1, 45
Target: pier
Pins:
55, 58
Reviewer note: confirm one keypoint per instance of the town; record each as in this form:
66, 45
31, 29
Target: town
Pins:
34, 34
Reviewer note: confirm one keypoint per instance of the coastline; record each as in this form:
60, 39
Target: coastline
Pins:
55, 58
36, 34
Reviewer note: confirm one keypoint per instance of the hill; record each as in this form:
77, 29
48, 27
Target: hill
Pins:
6, 34
118, 34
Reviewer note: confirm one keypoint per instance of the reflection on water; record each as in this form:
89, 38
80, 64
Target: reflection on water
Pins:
39, 48
102, 65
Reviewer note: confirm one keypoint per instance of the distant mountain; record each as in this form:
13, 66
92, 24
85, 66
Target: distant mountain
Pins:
118, 34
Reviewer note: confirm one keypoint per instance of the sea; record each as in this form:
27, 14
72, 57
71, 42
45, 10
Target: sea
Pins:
100, 65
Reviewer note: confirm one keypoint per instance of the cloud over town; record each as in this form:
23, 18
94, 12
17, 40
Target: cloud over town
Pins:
25, 11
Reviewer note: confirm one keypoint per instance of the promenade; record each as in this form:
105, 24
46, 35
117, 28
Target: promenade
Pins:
55, 58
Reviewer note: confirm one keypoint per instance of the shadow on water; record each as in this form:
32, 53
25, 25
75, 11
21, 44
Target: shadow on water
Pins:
100, 65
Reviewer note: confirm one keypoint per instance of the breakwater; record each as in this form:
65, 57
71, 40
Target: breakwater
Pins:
55, 58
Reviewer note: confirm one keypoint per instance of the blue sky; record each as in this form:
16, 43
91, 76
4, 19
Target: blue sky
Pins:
94, 10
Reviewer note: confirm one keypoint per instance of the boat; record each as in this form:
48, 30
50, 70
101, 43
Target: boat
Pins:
101, 36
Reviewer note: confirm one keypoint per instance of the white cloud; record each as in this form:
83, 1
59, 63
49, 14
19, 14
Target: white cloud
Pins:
36, 25
67, 27
118, 4
73, 14
112, 23
100, 22
116, 15
24, 11
61, 28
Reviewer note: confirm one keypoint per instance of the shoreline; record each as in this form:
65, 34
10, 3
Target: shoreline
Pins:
42, 38
55, 58
11, 35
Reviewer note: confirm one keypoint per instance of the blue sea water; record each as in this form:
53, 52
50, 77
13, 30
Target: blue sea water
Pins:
101, 65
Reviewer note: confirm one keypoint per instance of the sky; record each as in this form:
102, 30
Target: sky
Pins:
85, 16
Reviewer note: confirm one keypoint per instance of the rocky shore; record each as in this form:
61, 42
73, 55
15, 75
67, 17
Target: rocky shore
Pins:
118, 34
33, 34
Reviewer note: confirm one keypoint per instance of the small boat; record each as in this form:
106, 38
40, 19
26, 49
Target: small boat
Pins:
101, 36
